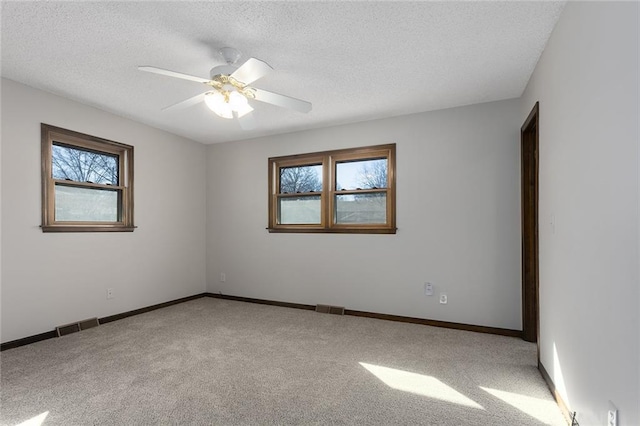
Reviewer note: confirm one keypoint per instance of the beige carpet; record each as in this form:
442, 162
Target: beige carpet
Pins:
218, 362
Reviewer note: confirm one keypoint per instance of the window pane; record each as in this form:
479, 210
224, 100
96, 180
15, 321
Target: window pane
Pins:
86, 205
83, 166
367, 174
299, 210
300, 179
361, 208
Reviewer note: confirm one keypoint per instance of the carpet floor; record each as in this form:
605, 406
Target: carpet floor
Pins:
218, 362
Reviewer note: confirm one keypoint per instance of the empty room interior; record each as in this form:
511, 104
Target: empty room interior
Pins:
320, 212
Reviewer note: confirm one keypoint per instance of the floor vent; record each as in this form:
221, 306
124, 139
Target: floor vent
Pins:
74, 327
327, 309
88, 323
63, 330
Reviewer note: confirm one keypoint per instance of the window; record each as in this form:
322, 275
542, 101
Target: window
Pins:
348, 191
87, 183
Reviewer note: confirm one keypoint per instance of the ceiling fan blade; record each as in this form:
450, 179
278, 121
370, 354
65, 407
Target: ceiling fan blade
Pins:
251, 70
282, 100
187, 102
173, 74
247, 121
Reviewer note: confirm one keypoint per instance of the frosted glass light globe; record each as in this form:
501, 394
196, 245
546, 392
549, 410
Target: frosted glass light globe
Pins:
237, 100
216, 103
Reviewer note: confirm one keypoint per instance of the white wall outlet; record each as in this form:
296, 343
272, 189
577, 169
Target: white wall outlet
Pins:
223, 277
428, 289
612, 418
443, 298
110, 293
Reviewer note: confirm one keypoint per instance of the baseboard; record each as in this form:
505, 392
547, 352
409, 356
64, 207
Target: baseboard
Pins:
149, 308
552, 387
436, 323
51, 334
388, 317
262, 301
28, 340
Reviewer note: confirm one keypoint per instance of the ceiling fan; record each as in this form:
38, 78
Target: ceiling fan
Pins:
229, 91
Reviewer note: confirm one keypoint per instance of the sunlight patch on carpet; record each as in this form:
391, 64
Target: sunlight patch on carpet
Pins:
537, 408
419, 384
35, 421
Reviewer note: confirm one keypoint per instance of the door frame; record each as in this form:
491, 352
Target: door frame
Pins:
529, 149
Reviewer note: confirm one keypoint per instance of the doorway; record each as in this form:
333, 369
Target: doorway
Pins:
529, 180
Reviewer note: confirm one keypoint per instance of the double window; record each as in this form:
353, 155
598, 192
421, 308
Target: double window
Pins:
87, 183
348, 191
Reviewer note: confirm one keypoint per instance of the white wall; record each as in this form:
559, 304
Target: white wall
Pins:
587, 85
458, 214
52, 279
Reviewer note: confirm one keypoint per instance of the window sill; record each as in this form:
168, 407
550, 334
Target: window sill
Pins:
332, 230
87, 228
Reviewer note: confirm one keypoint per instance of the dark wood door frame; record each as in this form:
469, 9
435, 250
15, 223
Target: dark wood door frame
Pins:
529, 181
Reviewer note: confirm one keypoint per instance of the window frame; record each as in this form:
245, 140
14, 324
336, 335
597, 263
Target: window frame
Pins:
329, 161
52, 135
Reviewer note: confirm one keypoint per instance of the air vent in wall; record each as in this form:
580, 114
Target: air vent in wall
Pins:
328, 309
74, 327
63, 330
88, 323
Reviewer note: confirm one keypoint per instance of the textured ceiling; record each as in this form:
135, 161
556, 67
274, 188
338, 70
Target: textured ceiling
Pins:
354, 61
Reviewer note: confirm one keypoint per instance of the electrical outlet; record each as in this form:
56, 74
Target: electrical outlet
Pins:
110, 293
612, 418
428, 289
223, 277
443, 298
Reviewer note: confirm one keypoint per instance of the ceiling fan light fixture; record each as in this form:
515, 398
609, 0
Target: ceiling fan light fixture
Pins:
225, 112
214, 100
229, 91
217, 103
237, 101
